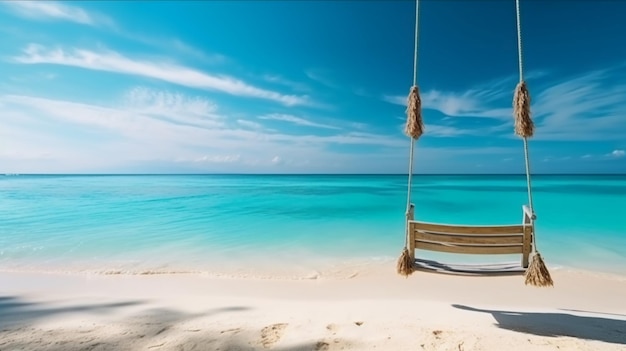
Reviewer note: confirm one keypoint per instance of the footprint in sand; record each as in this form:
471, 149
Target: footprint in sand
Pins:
272, 334
234, 331
332, 328
321, 346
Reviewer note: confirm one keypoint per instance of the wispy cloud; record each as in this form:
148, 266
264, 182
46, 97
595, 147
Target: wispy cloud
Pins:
78, 136
472, 103
111, 61
321, 76
476, 102
173, 44
176, 107
616, 154
277, 160
358, 125
448, 131
215, 159
280, 80
588, 107
491, 99
52, 10
296, 120
249, 124
187, 49
441, 131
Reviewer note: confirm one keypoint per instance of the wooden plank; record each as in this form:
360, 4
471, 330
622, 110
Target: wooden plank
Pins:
470, 269
469, 239
526, 246
465, 229
469, 249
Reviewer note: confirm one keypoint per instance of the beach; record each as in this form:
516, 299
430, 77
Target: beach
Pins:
371, 309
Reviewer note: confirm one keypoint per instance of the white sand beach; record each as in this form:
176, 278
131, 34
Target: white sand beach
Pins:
370, 309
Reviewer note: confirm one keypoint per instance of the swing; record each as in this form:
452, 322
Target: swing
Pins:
474, 239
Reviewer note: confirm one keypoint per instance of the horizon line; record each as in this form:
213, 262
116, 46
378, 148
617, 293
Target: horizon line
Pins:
308, 174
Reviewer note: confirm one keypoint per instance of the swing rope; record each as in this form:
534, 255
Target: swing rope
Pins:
537, 273
414, 129
527, 130
411, 153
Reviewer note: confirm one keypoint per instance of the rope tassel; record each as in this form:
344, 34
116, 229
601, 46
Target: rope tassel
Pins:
537, 274
405, 264
414, 124
524, 125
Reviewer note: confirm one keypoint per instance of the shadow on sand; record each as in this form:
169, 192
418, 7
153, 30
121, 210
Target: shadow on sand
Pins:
14, 310
558, 324
145, 328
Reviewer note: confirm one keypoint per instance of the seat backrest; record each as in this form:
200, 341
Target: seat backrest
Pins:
465, 239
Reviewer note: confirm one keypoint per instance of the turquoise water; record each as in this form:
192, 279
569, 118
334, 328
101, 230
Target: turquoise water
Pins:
210, 222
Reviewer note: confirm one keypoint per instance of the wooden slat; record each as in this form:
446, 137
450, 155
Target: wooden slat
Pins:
469, 249
526, 246
470, 269
470, 239
453, 229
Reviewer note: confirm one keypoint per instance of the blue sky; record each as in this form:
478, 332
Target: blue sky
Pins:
307, 86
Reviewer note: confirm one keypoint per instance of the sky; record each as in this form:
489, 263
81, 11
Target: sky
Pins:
308, 86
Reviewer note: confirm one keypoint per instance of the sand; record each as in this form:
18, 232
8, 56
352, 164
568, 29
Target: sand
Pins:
372, 309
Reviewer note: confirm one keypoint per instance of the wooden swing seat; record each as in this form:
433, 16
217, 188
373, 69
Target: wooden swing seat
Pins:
472, 239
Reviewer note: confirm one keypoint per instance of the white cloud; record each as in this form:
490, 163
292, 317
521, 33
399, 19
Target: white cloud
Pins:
177, 107
476, 102
321, 76
56, 10
216, 159
615, 154
277, 160
114, 62
358, 125
249, 124
295, 120
442, 131
187, 49
447, 131
589, 107
44, 135
472, 103
46, 10
77, 137
173, 44
277, 79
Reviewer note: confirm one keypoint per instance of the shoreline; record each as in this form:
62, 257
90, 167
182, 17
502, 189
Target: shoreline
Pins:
272, 269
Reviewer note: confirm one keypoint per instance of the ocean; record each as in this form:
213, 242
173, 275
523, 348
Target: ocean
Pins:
220, 224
